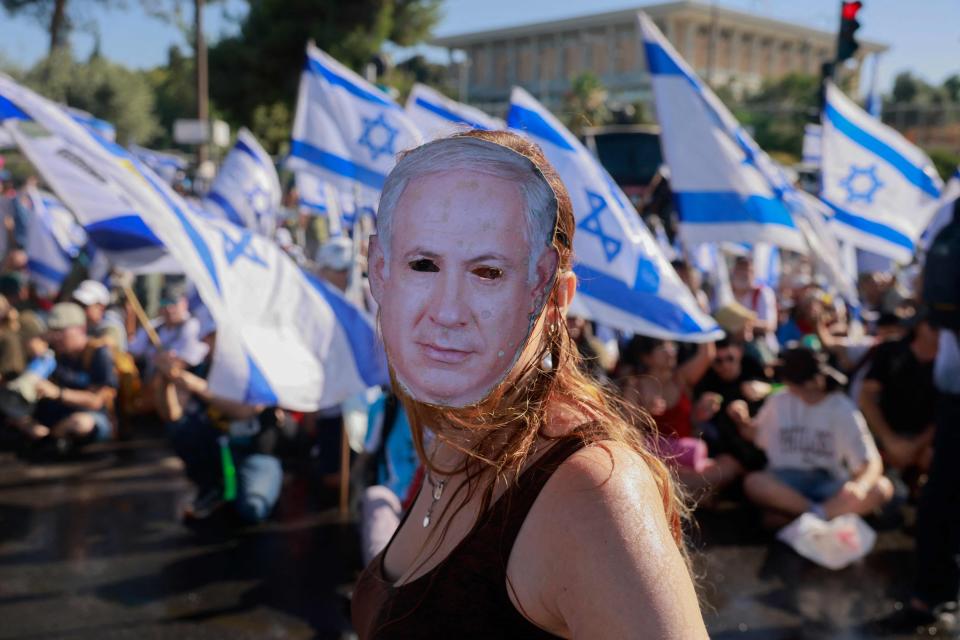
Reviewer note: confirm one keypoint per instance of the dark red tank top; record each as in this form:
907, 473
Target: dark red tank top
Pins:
465, 596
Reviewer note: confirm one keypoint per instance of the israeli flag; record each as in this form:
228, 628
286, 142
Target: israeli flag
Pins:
108, 215
282, 338
625, 281
316, 197
346, 130
247, 190
882, 188
54, 240
945, 209
102, 128
165, 165
812, 216
436, 115
766, 264
720, 186
812, 134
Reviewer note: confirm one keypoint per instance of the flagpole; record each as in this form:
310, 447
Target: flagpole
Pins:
142, 316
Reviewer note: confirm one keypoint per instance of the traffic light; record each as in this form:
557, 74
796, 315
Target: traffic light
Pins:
847, 45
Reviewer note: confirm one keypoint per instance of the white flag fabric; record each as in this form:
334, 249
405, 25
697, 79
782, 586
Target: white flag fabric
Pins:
102, 128
107, 214
54, 240
346, 130
625, 281
812, 134
247, 189
165, 165
283, 338
882, 188
945, 208
720, 185
436, 115
316, 197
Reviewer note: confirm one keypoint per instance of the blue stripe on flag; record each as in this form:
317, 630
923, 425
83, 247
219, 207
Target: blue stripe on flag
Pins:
660, 62
446, 114
46, 271
530, 121
641, 303
336, 164
123, 233
258, 390
195, 238
9, 111
371, 363
914, 174
334, 78
724, 207
245, 148
872, 227
313, 206
228, 209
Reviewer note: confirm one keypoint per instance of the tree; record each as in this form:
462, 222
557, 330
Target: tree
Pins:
105, 89
586, 102
261, 65
778, 112
60, 17
175, 94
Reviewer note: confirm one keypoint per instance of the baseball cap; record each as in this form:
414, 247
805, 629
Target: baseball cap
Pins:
92, 292
800, 364
65, 315
336, 254
31, 326
172, 292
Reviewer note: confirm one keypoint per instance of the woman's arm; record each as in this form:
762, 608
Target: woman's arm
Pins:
693, 369
596, 559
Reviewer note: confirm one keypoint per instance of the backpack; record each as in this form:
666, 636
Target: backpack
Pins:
941, 278
129, 385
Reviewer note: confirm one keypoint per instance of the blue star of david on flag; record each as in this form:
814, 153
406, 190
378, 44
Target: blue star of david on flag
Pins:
861, 184
592, 224
378, 136
259, 199
233, 250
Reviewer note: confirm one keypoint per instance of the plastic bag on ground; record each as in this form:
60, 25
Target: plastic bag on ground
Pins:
833, 544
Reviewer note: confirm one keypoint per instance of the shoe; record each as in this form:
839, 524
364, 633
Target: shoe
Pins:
204, 505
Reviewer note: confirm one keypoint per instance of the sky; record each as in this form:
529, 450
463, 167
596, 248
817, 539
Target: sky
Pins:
923, 35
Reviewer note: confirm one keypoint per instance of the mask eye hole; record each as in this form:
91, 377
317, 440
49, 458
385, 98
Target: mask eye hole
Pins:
424, 265
488, 273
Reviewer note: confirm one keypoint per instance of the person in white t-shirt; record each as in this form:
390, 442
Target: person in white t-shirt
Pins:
821, 456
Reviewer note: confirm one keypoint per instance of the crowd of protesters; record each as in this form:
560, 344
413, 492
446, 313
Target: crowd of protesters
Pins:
807, 405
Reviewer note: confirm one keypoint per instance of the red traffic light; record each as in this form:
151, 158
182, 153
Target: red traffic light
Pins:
850, 9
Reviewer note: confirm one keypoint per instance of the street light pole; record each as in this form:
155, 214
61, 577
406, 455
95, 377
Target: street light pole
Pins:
200, 51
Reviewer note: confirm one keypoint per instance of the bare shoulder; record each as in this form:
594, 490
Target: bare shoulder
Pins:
600, 557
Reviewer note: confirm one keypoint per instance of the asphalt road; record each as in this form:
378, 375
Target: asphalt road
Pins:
93, 548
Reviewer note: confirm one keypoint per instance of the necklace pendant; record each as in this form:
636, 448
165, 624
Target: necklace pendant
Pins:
426, 521
437, 491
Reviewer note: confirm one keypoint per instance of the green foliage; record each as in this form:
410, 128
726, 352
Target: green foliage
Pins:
586, 103
261, 65
174, 88
945, 160
105, 89
779, 111
271, 125
59, 17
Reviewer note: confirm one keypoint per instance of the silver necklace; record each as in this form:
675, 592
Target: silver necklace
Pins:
437, 494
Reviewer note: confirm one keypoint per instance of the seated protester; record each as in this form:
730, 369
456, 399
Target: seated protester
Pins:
11, 348
598, 361
758, 298
898, 398
177, 329
388, 465
657, 384
203, 428
853, 354
734, 387
76, 403
804, 319
94, 297
821, 457
737, 322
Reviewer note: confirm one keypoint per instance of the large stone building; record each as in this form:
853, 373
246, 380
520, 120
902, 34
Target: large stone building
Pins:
725, 47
